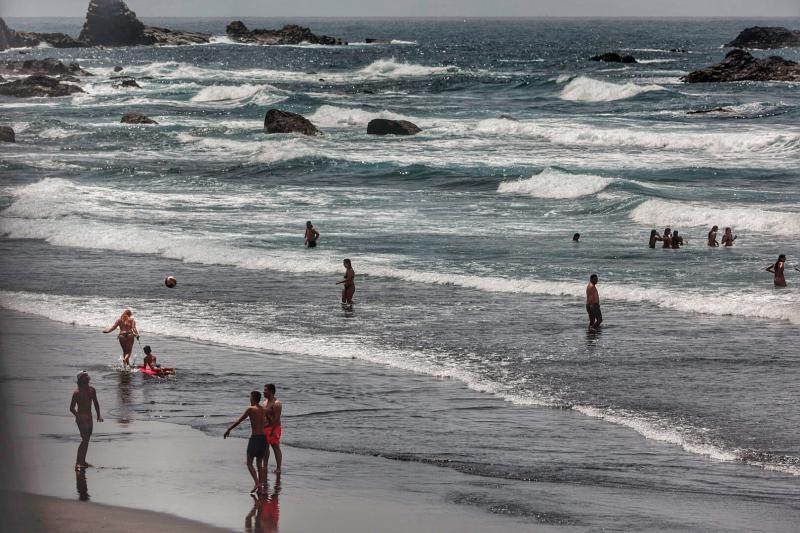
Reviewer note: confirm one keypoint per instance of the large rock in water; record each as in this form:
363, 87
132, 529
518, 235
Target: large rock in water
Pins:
613, 57
7, 135
48, 67
277, 121
136, 118
17, 39
174, 37
385, 126
38, 86
289, 34
766, 38
739, 65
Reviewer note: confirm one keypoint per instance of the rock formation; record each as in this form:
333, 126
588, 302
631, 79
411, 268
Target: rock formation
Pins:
47, 67
371, 40
136, 118
173, 37
277, 121
38, 85
713, 110
16, 39
385, 126
766, 38
613, 57
129, 83
289, 34
739, 65
7, 135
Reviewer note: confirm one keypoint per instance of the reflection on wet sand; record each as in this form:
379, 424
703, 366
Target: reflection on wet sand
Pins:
124, 395
265, 510
81, 485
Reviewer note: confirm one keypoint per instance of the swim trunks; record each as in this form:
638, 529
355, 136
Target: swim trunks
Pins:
312, 244
594, 312
273, 434
85, 424
257, 446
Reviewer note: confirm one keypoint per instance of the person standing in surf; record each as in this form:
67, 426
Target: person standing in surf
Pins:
81, 408
712, 237
349, 284
257, 445
593, 302
728, 238
777, 270
127, 332
311, 235
272, 430
667, 238
654, 237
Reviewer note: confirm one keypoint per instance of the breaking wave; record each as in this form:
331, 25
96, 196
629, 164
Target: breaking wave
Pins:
583, 89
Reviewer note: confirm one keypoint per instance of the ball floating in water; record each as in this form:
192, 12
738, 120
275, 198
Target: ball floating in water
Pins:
170, 282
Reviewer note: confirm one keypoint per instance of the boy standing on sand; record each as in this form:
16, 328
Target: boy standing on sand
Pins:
272, 430
81, 408
593, 303
257, 445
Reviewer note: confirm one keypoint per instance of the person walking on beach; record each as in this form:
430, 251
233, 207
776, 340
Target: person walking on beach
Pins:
654, 237
257, 445
311, 235
777, 270
81, 408
593, 302
272, 429
712, 236
127, 332
349, 284
728, 238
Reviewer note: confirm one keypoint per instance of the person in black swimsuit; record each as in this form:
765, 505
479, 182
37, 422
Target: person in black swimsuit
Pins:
311, 235
777, 270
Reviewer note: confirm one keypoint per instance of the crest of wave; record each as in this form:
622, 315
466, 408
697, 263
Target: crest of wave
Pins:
390, 68
232, 95
583, 89
332, 116
553, 183
685, 214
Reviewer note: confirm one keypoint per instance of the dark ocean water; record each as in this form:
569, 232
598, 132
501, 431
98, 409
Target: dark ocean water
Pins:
460, 238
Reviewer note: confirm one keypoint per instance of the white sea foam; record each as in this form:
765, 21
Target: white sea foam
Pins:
328, 116
583, 89
235, 95
664, 213
390, 68
553, 183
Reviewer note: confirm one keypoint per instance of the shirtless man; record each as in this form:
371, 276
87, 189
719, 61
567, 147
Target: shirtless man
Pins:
728, 238
666, 238
712, 237
593, 303
311, 235
272, 429
81, 408
150, 363
257, 445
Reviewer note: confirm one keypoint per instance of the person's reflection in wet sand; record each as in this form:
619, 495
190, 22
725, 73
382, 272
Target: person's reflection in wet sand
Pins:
81, 485
265, 510
125, 400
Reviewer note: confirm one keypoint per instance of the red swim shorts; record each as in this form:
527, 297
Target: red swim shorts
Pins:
273, 434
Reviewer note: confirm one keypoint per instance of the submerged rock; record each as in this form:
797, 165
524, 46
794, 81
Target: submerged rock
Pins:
289, 34
47, 67
38, 86
118, 69
766, 38
613, 57
739, 65
277, 121
7, 134
713, 110
128, 84
136, 118
385, 126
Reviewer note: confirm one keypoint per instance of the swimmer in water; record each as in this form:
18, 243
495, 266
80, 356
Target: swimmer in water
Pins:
712, 237
349, 284
666, 238
728, 238
311, 235
654, 237
777, 270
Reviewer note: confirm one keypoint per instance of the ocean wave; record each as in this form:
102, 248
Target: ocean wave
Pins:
328, 116
583, 89
553, 183
391, 68
663, 213
235, 95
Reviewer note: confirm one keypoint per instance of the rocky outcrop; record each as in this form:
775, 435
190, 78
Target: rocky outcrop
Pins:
277, 121
46, 67
289, 34
128, 84
371, 40
7, 135
613, 57
136, 118
766, 38
385, 126
112, 23
17, 39
38, 86
713, 110
118, 69
739, 65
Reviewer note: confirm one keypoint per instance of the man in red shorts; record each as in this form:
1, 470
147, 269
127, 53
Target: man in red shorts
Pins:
272, 429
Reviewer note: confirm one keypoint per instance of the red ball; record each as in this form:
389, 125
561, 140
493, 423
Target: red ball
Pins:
170, 282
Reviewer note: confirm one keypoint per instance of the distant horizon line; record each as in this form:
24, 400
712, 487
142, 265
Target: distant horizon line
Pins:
437, 17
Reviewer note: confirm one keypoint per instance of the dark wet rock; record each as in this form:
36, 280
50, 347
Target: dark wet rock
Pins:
766, 38
679, 50
385, 126
277, 121
118, 69
7, 135
713, 110
508, 117
370, 40
289, 34
38, 86
739, 65
163, 36
128, 84
47, 67
17, 39
136, 118
613, 57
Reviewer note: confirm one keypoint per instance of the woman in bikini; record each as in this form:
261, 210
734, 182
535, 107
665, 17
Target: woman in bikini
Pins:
127, 332
349, 284
777, 270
